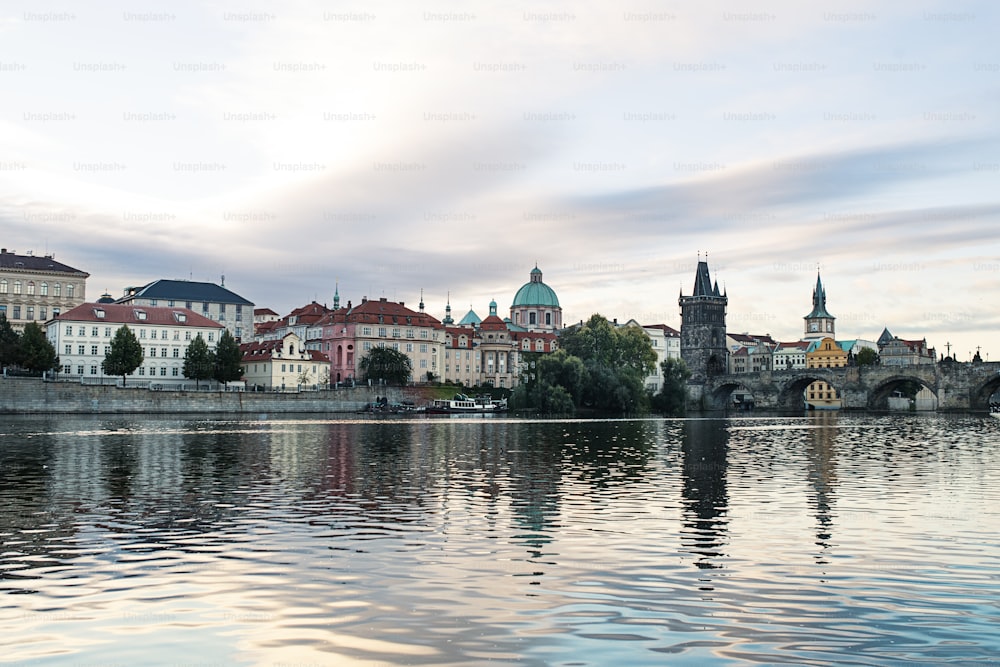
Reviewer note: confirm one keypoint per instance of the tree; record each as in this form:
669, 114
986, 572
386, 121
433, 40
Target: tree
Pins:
124, 355
10, 344
384, 364
199, 362
37, 353
867, 357
227, 359
672, 397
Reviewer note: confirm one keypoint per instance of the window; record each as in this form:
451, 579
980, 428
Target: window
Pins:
177, 352
142, 370
299, 369
93, 331
93, 370
366, 331
188, 304
107, 332
204, 307
45, 289
381, 332
57, 290
548, 319
211, 336
423, 348
154, 302
163, 371
532, 318
93, 350
409, 333
366, 345
69, 330
282, 368
31, 288
81, 331
177, 334
142, 333
163, 334
31, 312
79, 370
3, 286
69, 290
170, 303
81, 349
69, 350
67, 369
423, 333
17, 287
107, 349
174, 371
187, 335
163, 351
409, 347
152, 334
152, 351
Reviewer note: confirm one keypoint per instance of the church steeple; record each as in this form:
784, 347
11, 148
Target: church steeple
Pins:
336, 296
448, 320
819, 322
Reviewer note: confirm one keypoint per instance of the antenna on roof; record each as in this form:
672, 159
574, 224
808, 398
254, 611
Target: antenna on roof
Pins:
223, 280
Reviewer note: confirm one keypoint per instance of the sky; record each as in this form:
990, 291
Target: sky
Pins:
389, 148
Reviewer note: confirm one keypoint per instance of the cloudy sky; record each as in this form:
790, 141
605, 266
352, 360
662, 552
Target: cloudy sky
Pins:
448, 147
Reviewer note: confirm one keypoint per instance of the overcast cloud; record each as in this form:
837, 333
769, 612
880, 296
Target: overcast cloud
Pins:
397, 147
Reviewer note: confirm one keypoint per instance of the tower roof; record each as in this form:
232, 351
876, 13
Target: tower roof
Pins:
819, 302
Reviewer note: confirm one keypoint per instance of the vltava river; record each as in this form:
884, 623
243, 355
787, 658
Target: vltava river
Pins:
831, 539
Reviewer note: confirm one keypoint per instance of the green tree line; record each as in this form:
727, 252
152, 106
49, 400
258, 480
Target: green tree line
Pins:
600, 367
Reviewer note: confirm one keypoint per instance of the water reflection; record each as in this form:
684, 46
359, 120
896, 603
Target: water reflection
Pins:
822, 475
463, 542
705, 458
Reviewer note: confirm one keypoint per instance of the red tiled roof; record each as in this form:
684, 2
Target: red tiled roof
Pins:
129, 314
493, 323
392, 313
263, 311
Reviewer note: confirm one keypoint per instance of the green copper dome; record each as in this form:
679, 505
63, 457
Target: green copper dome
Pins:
535, 293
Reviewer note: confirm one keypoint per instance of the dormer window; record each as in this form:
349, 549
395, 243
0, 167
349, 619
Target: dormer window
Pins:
180, 317
99, 313
140, 314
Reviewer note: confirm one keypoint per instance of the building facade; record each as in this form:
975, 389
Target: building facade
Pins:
894, 351
283, 364
35, 289
824, 353
212, 301
82, 337
348, 334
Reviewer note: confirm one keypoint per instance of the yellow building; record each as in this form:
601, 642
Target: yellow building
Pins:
824, 353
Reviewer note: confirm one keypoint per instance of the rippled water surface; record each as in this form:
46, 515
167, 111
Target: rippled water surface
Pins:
831, 539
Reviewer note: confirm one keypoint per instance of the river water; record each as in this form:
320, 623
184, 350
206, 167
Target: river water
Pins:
827, 539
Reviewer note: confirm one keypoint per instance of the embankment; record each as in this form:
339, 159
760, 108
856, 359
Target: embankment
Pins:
32, 396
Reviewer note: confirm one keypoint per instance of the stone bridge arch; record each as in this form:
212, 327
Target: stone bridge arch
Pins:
979, 397
791, 395
721, 393
883, 388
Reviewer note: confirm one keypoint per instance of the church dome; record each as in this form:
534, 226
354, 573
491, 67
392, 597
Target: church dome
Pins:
535, 293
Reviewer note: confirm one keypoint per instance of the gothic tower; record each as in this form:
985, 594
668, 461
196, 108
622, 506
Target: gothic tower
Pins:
819, 323
703, 327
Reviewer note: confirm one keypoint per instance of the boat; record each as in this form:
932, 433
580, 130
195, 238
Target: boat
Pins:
462, 404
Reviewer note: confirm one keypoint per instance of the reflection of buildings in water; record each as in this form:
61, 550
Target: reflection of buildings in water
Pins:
822, 473
704, 448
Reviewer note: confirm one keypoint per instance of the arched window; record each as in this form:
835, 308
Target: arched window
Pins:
57, 290
69, 290
17, 287
31, 288
3, 286
45, 289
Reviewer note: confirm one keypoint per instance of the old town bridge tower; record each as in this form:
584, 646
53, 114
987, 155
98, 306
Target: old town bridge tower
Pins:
703, 327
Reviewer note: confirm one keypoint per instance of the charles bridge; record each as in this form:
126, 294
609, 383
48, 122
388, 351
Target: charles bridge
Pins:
958, 386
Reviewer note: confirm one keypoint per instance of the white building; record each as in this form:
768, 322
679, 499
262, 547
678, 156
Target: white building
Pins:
666, 342
283, 364
82, 337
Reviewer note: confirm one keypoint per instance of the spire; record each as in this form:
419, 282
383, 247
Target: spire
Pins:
493, 307
447, 321
421, 299
336, 296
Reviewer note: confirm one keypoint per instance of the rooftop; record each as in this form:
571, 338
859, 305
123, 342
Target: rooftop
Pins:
46, 263
184, 290
137, 315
